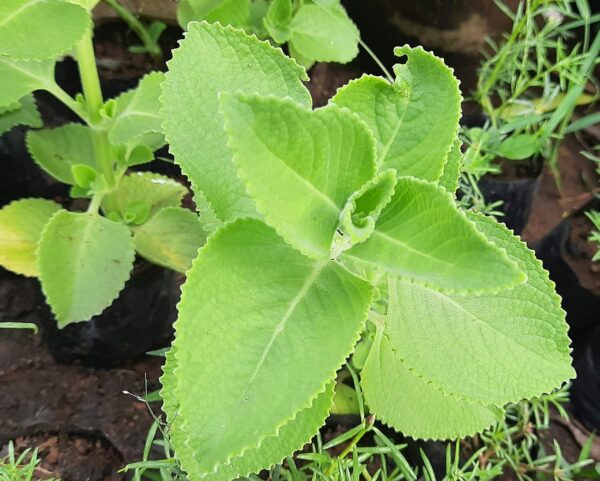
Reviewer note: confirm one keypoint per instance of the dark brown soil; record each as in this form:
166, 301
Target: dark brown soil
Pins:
89, 425
71, 457
326, 78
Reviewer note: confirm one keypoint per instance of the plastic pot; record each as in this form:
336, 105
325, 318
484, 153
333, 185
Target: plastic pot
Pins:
138, 321
582, 304
516, 190
585, 391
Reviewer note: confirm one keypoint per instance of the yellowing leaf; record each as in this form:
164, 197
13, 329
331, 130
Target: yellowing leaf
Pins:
21, 224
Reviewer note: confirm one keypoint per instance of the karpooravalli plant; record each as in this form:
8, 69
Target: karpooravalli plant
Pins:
83, 259
333, 227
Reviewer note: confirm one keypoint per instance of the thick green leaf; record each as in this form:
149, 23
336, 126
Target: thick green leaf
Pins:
137, 112
40, 29
277, 20
415, 119
364, 206
154, 190
20, 77
25, 113
411, 405
213, 59
493, 348
422, 236
57, 150
291, 437
299, 166
262, 330
171, 238
84, 260
451, 172
21, 223
324, 34
227, 12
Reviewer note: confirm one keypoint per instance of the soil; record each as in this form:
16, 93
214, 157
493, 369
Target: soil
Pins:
552, 204
579, 254
61, 456
326, 78
81, 418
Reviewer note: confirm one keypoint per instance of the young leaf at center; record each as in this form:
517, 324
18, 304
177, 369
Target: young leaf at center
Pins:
299, 166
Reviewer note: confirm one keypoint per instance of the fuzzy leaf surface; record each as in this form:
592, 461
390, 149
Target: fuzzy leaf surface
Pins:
299, 166
493, 348
21, 224
415, 119
84, 260
422, 236
21, 77
291, 437
155, 190
412, 406
40, 29
324, 33
171, 238
25, 113
57, 150
210, 60
261, 331
137, 111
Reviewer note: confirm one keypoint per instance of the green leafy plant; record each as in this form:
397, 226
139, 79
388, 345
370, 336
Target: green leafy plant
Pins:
83, 259
332, 227
148, 34
529, 86
594, 237
314, 30
23, 467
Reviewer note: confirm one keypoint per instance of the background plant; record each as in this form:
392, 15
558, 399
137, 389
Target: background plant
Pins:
83, 259
529, 86
314, 30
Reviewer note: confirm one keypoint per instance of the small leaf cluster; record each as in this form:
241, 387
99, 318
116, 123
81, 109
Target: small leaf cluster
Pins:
83, 259
314, 30
335, 234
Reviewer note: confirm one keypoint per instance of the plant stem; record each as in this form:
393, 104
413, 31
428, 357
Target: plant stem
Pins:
92, 93
69, 102
138, 27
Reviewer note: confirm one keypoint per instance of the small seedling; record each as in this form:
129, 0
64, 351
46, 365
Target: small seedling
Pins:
83, 259
23, 467
331, 227
529, 86
314, 30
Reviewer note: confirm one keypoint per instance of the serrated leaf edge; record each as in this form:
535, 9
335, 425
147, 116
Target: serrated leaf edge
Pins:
174, 55
62, 324
70, 46
445, 290
182, 426
249, 186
